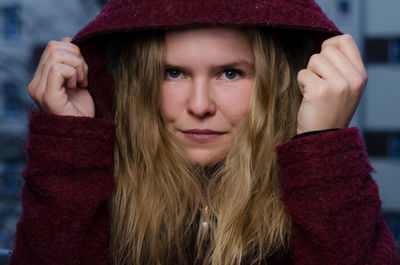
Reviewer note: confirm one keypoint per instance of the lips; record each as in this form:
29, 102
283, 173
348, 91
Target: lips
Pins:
202, 135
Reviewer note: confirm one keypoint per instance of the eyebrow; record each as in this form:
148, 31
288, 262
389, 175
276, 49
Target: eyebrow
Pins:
237, 64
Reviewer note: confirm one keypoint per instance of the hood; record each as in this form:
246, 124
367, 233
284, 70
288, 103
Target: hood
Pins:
120, 16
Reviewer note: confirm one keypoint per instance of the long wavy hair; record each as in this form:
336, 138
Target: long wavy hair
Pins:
164, 209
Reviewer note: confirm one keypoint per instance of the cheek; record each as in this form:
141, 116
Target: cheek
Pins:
235, 105
172, 102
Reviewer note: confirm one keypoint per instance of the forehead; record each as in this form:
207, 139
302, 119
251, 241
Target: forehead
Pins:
210, 42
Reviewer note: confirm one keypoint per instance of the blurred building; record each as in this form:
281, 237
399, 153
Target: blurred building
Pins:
375, 25
25, 28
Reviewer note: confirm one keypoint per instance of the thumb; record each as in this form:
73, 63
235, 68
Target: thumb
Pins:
66, 39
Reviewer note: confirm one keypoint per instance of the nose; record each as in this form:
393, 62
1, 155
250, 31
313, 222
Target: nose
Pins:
201, 103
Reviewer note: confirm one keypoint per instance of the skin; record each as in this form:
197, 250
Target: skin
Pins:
58, 85
331, 84
206, 93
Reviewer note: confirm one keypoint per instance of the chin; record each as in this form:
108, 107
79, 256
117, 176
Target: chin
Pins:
206, 158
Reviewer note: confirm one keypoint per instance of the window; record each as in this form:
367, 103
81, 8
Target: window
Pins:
10, 178
344, 7
394, 146
10, 209
376, 50
344, 12
393, 221
12, 23
383, 144
394, 51
101, 2
36, 54
383, 50
11, 103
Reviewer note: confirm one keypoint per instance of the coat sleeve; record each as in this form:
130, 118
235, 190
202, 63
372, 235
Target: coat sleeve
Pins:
68, 178
328, 190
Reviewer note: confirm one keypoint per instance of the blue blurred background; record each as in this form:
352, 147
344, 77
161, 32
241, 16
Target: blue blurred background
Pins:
26, 26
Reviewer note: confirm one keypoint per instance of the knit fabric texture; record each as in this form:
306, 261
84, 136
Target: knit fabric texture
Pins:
326, 183
328, 190
68, 179
326, 186
123, 15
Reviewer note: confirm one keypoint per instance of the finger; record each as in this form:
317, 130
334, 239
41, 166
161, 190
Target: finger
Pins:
322, 67
307, 80
64, 57
66, 39
345, 43
36, 77
82, 76
60, 75
51, 47
55, 76
82, 71
344, 66
55, 96
86, 72
61, 57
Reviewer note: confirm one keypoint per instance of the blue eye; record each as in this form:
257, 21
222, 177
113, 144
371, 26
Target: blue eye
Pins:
173, 74
231, 74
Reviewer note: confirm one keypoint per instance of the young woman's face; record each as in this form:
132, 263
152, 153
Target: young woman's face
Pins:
207, 88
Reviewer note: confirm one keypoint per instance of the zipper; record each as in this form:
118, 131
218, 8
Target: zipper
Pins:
203, 245
199, 257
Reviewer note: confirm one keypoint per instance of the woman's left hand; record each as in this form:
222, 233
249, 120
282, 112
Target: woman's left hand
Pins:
332, 85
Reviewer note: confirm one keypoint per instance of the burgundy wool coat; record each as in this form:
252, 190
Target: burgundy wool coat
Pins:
326, 183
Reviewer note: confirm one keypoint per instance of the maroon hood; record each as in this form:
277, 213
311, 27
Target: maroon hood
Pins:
132, 15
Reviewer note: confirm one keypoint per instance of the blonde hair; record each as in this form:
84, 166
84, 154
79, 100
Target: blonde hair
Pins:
164, 209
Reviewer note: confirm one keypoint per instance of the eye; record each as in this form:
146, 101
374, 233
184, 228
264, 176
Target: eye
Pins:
173, 74
231, 74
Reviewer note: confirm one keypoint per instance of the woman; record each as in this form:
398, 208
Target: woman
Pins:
202, 99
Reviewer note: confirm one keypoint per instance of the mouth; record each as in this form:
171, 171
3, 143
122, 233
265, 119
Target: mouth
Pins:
202, 135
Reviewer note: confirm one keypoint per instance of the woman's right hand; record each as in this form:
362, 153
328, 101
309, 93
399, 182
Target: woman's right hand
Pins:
59, 83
